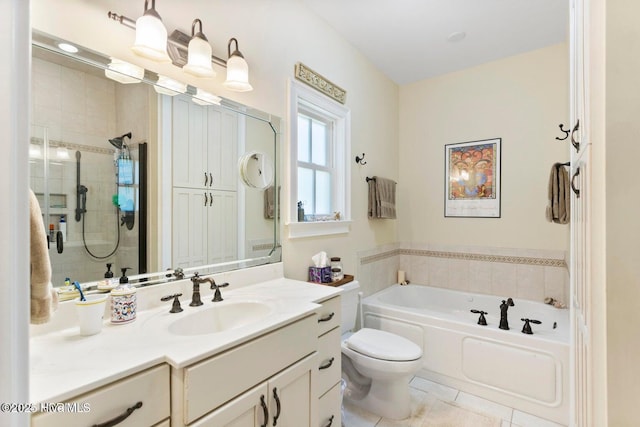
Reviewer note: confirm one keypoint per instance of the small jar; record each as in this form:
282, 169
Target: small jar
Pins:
336, 269
123, 305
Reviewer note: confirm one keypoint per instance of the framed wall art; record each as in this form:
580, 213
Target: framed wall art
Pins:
472, 179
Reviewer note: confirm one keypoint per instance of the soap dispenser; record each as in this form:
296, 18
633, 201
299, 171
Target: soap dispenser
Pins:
108, 274
123, 301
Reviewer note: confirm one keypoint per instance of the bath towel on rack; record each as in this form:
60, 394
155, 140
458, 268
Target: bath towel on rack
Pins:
382, 198
558, 209
44, 299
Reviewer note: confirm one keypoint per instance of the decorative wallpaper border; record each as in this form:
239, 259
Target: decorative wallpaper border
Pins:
316, 81
509, 259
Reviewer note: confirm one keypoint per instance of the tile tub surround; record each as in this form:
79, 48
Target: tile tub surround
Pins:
530, 274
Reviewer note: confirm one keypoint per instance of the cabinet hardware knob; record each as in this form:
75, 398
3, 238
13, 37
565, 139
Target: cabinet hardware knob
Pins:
328, 364
277, 398
120, 418
265, 411
326, 318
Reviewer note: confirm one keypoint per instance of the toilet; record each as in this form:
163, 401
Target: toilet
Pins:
376, 365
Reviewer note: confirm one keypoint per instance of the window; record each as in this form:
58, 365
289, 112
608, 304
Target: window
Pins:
318, 168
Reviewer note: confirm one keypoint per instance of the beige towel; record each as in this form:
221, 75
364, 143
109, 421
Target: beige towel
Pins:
44, 299
270, 202
558, 210
382, 198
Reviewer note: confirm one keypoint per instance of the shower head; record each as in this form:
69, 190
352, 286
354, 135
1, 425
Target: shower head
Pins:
118, 141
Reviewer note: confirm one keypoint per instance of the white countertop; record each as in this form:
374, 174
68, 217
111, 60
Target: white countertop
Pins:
65, 364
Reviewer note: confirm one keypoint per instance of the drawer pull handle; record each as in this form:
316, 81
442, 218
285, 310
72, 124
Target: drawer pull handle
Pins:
206, 179
576, 144
120, 418
328, 364
277, 398
265, 411
210, 179
330, 421
573, 182
326, 318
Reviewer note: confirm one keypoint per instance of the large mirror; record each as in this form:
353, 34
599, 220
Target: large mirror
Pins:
156, 183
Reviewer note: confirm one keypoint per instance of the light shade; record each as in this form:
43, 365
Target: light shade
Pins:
237, 70
205, 98
169, 86
151, 35
199, 54
124, 72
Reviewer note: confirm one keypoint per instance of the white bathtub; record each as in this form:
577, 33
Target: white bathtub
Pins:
526, 372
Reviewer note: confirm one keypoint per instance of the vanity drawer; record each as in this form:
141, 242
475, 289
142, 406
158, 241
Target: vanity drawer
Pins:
211, 383
150, 387
329, 315
330, 408
329, 360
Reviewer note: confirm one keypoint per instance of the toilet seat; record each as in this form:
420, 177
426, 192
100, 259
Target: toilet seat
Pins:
383, 345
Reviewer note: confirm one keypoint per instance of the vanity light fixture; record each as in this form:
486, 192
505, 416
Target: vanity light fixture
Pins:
169, 86
199, 54
151, 35
237, 70
180, 48
202, 97
124, 72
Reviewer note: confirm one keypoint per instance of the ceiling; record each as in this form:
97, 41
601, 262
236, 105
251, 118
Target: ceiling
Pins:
407, 39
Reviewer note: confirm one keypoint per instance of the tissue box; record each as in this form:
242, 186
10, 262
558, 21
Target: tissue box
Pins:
320, 274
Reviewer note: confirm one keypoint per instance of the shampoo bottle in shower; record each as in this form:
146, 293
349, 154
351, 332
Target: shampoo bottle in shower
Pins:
62, 227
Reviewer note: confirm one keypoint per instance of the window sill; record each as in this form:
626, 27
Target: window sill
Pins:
317, 228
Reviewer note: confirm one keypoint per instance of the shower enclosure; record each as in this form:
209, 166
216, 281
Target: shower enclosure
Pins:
76, 185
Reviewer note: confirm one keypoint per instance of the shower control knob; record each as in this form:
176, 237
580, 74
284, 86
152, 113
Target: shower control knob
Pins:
481, 320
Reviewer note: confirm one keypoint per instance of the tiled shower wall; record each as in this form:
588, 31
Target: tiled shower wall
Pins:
504, 272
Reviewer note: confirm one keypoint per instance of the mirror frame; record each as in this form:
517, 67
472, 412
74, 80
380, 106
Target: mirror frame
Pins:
91, 58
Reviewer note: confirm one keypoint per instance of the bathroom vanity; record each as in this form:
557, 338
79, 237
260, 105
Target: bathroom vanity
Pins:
270, 357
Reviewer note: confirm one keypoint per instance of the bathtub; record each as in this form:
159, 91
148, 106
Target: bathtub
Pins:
526, 372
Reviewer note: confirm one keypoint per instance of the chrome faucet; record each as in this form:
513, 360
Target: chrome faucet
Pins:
217, 296
504, 322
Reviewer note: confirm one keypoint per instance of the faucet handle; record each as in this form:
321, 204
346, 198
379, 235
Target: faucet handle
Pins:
175, 308
196, 277
217, 296
481, 320
526, 328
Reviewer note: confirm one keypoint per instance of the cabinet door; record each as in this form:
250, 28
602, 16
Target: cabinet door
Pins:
222, 143
247, 410
578, 76
189, 144
189, 227
222, 229
291, 401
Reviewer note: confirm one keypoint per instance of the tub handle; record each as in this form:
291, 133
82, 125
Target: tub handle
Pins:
526, 328
326, 318
481, 320
328, 364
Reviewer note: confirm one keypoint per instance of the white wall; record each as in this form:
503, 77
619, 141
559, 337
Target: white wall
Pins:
520, 99
273, 36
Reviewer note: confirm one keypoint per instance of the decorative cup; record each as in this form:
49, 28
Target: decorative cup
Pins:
90, 313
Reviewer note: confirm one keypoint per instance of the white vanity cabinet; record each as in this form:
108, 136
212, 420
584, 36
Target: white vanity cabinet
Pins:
230, 388
145, 395
329, 363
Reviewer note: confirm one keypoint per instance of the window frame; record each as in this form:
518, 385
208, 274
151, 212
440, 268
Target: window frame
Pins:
304, 100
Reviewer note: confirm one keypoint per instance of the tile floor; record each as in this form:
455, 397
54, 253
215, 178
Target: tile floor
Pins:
436, 405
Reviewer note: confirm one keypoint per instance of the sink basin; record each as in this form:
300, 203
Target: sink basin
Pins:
220, 317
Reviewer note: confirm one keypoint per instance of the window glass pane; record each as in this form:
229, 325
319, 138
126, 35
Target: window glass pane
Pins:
306, 190
323, 193
319, 142
304, 144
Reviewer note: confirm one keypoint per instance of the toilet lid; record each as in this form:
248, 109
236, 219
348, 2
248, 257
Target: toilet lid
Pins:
383, 345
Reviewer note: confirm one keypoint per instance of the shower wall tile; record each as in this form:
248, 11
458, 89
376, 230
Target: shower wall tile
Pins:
503, 279
480, 277
438, 272
459, 275
530, 282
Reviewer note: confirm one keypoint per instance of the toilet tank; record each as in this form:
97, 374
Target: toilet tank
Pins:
349, 298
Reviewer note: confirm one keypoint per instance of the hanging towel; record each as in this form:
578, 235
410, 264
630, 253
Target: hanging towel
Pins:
558, 210
44, 299
382, 198
270, 202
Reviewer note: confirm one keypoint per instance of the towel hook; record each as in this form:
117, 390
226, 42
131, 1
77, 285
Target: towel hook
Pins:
360, 160
566, 133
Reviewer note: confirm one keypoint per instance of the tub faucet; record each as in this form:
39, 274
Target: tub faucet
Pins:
504, 322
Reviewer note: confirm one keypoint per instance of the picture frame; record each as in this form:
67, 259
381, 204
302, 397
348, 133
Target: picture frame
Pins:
473, 179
